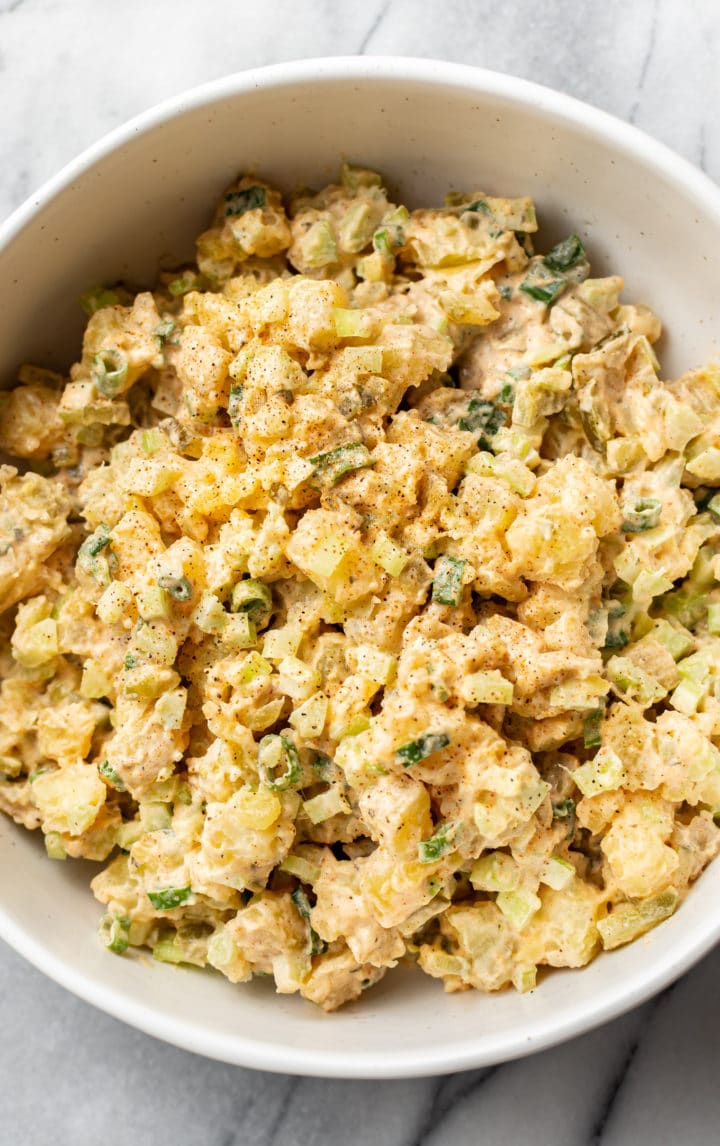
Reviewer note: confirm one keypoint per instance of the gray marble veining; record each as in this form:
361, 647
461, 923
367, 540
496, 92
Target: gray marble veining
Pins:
71, 70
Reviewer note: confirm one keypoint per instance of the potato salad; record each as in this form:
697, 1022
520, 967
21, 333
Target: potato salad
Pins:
360, 600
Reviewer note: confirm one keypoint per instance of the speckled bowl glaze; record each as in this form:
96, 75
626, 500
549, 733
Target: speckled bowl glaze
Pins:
137, 199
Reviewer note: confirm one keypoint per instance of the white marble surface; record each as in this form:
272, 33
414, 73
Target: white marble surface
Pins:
69, 71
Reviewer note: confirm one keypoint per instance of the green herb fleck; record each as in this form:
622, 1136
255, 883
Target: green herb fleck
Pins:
168, 898
249, 199
331, 466
108, 773
425, 745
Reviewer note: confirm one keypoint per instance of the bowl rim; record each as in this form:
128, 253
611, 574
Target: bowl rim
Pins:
425, 1060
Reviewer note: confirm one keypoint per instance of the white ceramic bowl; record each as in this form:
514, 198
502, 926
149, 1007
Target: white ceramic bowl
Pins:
140, 195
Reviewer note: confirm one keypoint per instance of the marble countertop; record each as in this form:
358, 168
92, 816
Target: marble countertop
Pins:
69, 71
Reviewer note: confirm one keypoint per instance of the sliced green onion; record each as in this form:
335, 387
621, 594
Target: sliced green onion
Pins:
643, 516
416, 750
97, 298
565, 810
278, 763
591, 728
541, 285
478, 206
447, 582
184, 283
96, 542
331, 466
299, 898
108, 773
178, 587
114, 933
166, 331
565, 254
249, 199
168, 898
439, 844
254, 598
234, 407
109, 371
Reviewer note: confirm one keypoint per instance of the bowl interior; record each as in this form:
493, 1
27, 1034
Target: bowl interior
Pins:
139, 201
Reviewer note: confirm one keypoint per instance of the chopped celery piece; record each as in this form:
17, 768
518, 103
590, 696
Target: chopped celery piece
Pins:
109, 774
389, 556
604, 773
650, 583
350, 323
628, 921
356, 228
495, 871
644, 515
247, 199
280, 643
713, 619
254, 666
54, 846
179, 588
309, 718
688, 605
153, 604
97, 298
687, 696
254, 598
300, 867
420, 749
109, 371
170, 708
557, 873
447, 582
326, 805
633, 681
167, 898
677, 642
488, 687
209, 615
299, 898
439, 844
706, 465
278, 763
354, 177
358, 724
114, 932
319, 245
518, 906
151, 441
331, 466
